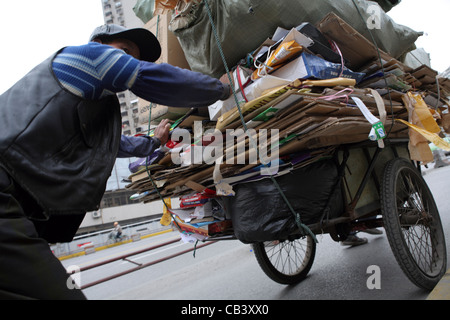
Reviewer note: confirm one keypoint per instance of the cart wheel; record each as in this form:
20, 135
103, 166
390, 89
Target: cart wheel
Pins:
412, 224
286, 262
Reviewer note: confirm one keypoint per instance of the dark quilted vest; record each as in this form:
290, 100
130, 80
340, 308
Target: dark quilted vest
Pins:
58, 147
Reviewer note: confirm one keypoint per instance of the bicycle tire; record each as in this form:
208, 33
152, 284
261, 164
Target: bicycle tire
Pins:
288, 261
412, 223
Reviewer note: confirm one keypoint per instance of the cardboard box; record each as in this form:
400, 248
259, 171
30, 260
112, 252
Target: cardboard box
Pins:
252, 91
171, 53
204, 229
194, 200
311, 66
354, 46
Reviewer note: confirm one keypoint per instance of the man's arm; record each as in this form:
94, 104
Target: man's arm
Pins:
140, 146
94, 70
172, 86
143, 146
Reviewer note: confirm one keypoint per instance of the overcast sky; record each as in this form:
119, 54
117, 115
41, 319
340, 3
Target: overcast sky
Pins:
32, 30
431, 18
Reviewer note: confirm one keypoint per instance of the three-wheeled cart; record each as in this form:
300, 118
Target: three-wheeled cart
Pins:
381, 187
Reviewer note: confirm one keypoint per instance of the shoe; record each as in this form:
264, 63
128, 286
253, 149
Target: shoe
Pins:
353, 241
372, 231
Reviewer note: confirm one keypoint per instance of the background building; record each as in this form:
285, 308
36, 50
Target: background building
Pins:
121, 13
116, 195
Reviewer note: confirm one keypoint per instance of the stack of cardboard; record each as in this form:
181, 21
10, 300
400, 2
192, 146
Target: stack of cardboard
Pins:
310, 116
200, 215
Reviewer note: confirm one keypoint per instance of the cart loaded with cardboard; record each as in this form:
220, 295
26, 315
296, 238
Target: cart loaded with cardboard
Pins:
325, 132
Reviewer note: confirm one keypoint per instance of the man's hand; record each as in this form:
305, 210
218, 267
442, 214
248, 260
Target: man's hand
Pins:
225, 79
226, 83
162, 131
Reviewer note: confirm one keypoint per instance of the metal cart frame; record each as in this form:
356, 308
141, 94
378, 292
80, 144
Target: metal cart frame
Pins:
377, 182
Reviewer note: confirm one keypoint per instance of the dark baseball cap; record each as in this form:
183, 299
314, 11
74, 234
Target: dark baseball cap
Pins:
147, 43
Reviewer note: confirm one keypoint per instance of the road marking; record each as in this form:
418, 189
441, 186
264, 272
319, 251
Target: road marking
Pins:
156, 252
97, 259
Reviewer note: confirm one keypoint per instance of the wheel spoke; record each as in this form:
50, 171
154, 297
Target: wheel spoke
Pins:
287, 256
414, 216
412, 223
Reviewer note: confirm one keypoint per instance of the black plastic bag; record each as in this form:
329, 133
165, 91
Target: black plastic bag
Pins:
259, 213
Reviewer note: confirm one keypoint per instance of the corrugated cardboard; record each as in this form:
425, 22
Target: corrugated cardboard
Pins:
171, 53
354, 47
321, 119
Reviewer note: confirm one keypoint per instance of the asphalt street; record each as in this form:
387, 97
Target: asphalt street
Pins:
228, 270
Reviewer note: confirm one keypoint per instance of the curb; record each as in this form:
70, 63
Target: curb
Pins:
442, 289
82, 253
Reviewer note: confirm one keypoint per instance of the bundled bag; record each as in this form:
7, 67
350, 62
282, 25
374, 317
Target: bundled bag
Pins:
146, 9
243, 25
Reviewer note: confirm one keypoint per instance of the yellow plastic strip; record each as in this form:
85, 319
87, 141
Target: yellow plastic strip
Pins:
423, 112
432, 137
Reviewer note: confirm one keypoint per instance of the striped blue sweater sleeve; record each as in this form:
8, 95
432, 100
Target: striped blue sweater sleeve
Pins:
94, 70
171, 86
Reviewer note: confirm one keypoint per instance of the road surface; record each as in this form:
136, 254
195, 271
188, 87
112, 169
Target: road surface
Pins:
228, 270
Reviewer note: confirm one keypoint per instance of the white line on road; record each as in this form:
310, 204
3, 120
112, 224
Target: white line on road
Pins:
156, 252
